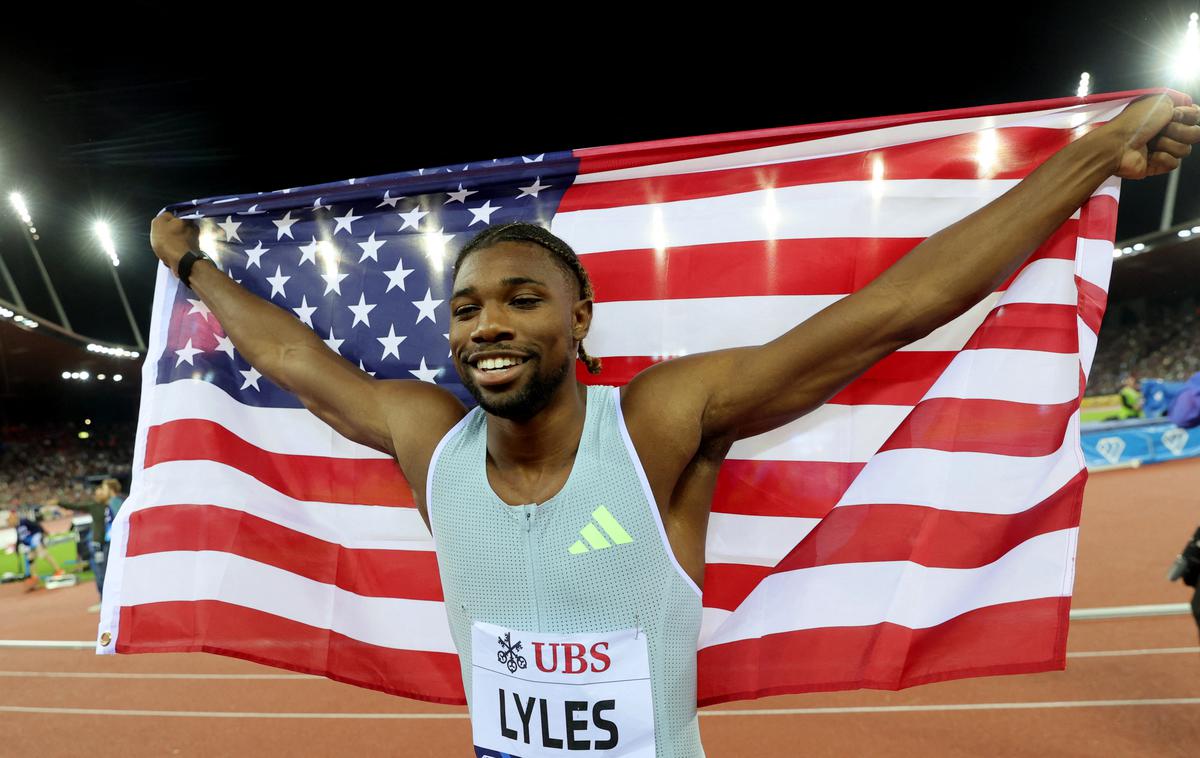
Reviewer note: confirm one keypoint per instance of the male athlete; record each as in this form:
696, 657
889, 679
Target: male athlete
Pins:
583, 640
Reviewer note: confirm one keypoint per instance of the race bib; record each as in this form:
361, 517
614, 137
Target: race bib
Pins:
535, 695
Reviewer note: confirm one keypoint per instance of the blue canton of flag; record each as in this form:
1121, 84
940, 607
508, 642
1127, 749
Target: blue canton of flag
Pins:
365, 263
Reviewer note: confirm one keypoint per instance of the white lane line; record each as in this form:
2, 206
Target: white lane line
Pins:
746, 712
1145, 651
311, 677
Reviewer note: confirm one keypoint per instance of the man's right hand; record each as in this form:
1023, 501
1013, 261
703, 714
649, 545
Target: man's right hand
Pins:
172, 237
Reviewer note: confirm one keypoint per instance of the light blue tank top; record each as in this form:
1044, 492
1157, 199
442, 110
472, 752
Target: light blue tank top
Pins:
593, 558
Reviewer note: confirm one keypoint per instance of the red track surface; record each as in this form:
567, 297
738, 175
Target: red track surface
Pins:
1133, 524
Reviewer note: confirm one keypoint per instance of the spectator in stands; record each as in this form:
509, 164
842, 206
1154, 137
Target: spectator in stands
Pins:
31, 536
106, 501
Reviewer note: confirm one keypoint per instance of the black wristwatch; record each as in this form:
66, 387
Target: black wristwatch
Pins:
184, 269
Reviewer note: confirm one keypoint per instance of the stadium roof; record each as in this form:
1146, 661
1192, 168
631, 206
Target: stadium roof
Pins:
1160, 264
35, 353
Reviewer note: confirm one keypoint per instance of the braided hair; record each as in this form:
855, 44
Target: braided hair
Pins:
518, 231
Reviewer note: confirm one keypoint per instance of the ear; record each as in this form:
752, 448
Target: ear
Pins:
581, 320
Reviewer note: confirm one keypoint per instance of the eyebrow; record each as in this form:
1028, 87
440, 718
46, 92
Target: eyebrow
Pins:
512, 281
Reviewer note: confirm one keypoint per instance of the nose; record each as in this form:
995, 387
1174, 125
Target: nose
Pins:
491, 326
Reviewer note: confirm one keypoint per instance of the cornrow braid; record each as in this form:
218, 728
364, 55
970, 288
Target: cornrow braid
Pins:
519, 231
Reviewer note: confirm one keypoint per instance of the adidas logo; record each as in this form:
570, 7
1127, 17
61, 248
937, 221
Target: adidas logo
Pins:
594, 539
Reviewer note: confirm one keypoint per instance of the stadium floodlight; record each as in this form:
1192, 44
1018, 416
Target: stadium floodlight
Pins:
104, 235
1139, 247
1184, 233
1085, 85
66, 375
21, 207
116, 377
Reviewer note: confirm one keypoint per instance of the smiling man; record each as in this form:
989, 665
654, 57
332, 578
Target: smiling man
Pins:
570, 521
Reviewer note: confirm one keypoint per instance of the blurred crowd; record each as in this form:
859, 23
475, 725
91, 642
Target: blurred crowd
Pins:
1164, 343
42, 465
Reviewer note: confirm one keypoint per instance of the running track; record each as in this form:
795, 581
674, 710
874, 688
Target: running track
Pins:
1132, 686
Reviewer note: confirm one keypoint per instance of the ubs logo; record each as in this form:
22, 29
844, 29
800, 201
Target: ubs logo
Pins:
575, 658
509, 654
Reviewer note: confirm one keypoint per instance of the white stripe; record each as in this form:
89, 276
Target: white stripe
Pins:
1087, 345
206, 575
753, 540
897, 208
898, 592
962, 481
1020, 376
356, 526
1070, 117
1094, 261
833, 432
291, 431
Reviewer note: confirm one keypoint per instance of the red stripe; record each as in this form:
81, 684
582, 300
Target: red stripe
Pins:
612, 157
1019, 151
886, 532
1012, 638
410, 574
999, 427
806, 489
1098, 218
1027, 326
832, 266
211, 626
1092, 302
373, 481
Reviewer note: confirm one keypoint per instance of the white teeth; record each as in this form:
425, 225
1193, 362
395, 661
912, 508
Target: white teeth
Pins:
489, 364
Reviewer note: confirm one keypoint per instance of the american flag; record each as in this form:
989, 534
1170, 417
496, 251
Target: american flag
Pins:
921, 526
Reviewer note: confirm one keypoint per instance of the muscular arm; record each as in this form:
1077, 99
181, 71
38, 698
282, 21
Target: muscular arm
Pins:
731, 394
402, 418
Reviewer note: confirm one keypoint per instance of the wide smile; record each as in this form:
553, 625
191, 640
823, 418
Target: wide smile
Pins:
494, 372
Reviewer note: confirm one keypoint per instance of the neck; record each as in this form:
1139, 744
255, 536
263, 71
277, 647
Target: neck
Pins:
548, 439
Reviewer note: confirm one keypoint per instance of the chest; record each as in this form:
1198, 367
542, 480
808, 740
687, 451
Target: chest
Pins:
515, 486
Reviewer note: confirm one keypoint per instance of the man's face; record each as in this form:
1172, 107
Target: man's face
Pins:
514, 325
100, 494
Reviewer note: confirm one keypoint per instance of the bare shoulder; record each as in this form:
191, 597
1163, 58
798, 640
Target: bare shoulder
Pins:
418, 415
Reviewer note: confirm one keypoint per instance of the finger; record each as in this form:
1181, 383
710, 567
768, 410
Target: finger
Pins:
1185, 133
1161, 163
1172, 147
1188, 114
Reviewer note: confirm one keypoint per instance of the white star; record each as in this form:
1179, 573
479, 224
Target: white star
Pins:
284, 226
361, 367
198, 306
534, 188
305, 311
361, 312
426, 307
533, 160
425, 373
412, 218
256, 254
483, 213
251, 211
397, 276
231, 229
451, 353
391, 343
333, 281
229, 272
277, 282
344, 222
460, 196
309, 252
186, 353
389, 201
370, 248
225, 345
317, 205
333, 342
251, 378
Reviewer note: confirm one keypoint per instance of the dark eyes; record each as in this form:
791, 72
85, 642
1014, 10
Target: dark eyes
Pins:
523, 301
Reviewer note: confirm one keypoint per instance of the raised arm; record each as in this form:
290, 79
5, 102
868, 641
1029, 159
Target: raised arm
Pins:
737, 393
403, 418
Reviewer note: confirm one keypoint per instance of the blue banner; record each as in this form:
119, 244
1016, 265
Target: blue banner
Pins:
1138, 442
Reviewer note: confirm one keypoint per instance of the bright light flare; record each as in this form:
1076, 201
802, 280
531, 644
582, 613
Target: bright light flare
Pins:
1085, 85
1187, 58
328, 254
104, 235
770, 214
19, 205
988, 153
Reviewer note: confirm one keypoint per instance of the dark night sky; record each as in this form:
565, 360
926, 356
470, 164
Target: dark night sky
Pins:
130, 110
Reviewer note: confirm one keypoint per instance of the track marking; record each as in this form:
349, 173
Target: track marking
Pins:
747, 712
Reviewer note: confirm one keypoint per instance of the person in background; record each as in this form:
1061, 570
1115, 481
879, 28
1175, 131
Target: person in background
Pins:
31, 535
107, 499
1131, 398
